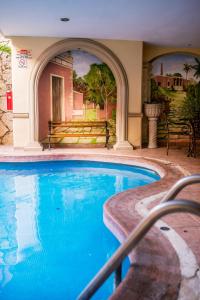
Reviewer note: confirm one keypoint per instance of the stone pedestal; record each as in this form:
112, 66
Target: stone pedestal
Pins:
152, 133
123, 145
35, 146
152, 111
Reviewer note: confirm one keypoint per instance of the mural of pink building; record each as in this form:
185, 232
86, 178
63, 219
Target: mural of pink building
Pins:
57, 100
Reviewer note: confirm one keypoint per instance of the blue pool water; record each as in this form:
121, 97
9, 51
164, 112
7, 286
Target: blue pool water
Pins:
52, 236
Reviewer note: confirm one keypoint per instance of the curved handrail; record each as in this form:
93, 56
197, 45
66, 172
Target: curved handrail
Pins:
134, 238
179, 185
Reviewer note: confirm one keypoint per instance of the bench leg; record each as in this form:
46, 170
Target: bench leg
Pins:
49, 143
167, 145
107, 140
190, 148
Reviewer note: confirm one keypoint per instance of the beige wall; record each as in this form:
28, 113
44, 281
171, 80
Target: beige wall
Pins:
130, 53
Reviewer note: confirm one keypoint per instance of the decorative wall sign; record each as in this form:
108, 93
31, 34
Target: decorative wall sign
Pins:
22, 56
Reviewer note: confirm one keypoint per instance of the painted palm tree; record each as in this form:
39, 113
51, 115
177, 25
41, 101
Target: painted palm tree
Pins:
197, 68
186, 68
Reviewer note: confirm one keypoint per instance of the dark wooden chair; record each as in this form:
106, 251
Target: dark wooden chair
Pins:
176, 130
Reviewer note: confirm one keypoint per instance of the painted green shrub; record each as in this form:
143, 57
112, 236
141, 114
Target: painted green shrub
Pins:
191, 103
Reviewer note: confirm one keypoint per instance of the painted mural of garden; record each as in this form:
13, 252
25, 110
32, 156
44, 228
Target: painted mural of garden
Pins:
175, 82
78, 93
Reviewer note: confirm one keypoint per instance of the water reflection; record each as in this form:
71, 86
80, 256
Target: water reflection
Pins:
18, 222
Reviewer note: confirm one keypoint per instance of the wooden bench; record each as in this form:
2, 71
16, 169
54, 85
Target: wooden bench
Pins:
54, 130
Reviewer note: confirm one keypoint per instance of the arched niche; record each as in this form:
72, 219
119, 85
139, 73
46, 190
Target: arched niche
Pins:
107, 56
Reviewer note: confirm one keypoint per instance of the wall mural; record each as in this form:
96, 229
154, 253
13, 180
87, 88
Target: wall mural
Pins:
172, 75
95, 81
174, 81
76, 86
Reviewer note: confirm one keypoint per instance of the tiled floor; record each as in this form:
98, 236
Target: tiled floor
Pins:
156, 268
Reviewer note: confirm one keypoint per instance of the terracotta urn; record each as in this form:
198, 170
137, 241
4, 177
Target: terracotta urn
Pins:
153, 111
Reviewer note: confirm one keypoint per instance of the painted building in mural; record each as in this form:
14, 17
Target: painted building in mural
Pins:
171, 82
55, 92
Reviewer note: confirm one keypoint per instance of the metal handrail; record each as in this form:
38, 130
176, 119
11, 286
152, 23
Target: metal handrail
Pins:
179, 185
134, 238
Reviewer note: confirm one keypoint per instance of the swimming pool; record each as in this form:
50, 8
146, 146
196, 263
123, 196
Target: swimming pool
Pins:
52, 236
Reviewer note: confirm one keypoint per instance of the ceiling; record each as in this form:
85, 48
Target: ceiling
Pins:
160, 22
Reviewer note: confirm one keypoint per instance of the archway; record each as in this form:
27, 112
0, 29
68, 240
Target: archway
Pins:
106, 55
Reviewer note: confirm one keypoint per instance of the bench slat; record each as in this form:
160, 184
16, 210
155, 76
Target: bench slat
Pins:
78, 124
62, 134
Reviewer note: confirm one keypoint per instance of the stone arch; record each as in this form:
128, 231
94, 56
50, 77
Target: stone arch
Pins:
107, 56
171, 52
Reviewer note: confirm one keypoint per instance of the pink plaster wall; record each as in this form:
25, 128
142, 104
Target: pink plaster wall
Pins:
78, 100
44, 95
90, 105
102, 112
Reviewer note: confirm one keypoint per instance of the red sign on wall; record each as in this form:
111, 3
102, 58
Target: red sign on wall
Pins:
9, 98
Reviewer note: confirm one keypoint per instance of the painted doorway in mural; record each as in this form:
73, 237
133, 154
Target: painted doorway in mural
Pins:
57, 98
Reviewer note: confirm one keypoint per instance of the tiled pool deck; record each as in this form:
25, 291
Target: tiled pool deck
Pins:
165, 265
